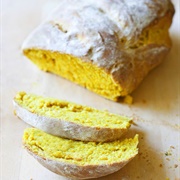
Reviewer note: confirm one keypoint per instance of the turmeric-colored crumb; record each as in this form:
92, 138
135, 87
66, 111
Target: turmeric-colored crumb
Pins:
72, 112
79, 152
155, 33
128, 99
78, 71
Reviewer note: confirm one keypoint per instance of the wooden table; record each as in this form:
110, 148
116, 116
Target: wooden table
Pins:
156, 102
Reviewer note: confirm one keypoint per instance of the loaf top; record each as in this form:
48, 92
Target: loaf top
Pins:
100, 31
79, 152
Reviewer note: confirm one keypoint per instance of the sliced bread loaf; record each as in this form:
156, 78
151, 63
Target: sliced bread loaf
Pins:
78, 159
70, 120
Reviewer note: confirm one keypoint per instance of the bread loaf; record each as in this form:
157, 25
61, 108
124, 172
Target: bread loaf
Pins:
69, 120
107, 46
78, 159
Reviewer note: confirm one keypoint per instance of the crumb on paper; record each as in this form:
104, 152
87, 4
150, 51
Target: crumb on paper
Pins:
172, 147
128, 99
177, 126
14, 112
176, 165
168, 153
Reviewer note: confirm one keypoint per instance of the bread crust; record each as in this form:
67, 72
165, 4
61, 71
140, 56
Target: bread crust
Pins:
75, 171
103, 33
67, 129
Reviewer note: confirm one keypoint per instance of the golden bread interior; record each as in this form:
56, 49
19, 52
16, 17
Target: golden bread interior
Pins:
83, 115
79, 152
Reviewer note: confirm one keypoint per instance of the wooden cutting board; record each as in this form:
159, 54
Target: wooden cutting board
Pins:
156, 102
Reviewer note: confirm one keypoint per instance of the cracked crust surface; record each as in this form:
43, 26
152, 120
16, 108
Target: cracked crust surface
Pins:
125, 38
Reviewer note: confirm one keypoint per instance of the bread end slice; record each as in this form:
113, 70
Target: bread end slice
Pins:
81, 160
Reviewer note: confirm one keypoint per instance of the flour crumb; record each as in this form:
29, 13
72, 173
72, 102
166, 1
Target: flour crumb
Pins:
128, 99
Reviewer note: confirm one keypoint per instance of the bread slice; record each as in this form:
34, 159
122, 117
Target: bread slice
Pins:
107, 46
69, 120
78, 159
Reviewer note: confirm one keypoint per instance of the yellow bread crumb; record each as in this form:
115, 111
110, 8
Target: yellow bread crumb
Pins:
128, 99
72, 112
79, 152
76, 70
